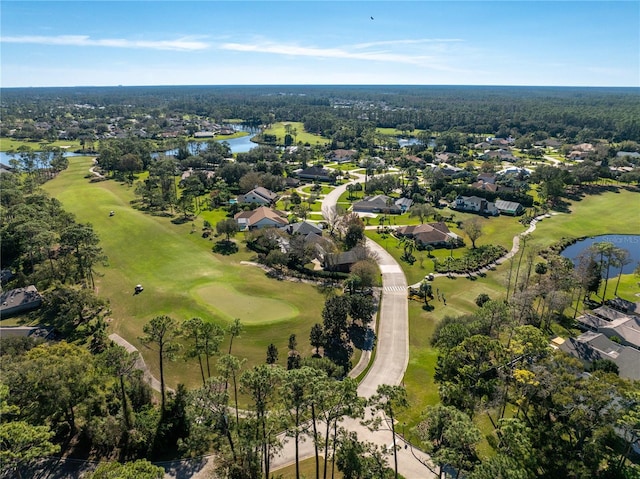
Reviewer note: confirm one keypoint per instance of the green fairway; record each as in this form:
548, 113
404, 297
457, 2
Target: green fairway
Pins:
12, 144
592, 215
181, 276
300, 135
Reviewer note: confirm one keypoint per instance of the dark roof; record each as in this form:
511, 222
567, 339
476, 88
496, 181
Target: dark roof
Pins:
19, 300
608, 313
315, 171
591, 346
303, 228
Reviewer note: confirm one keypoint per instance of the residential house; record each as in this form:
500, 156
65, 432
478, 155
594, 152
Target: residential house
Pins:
549, 143
303, 228
487, 178
20, 300
377, 204
484, 186
628, 155
484, 145
445, 169
342, 262
509, 207
430, 234
341, 155
578, 155
475, 204
591, 346
416, 160
261, 217
260, 196
499, 154
204, 134
315, 173
291, 182
445, 157
496, 141
624, 327
515, 171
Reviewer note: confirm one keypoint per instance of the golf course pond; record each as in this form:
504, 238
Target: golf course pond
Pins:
631, 243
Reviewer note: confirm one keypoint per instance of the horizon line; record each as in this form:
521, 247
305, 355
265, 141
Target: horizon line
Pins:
492, 85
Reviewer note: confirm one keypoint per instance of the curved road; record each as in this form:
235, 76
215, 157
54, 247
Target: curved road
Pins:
389, 365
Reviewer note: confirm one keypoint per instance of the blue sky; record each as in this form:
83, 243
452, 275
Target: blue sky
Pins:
71, 43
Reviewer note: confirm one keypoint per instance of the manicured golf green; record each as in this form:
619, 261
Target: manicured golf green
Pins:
255, 310
181, 276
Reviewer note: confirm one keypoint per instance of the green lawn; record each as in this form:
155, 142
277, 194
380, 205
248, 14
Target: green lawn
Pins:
302, 136
396, 132
181, 275
8, 144
593, 215
342, 166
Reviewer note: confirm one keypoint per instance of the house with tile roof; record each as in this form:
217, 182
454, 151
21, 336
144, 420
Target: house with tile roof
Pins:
261, 217
260, 196
430, 234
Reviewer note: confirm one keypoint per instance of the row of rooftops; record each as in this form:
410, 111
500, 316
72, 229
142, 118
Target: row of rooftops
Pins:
611, 322
612, 332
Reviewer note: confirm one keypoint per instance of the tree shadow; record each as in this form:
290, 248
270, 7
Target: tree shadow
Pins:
428, 307
185, 468
182, 220
362, 337
225, 247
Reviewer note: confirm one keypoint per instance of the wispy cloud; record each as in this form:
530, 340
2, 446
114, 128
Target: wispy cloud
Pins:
417, 41
341, 52
180, 44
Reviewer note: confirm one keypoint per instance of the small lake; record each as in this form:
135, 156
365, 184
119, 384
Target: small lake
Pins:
629, 242
403, 142
238, 145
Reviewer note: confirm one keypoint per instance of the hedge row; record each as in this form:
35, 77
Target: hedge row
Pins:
473, 260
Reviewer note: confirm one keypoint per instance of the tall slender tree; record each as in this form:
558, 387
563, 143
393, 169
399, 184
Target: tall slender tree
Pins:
234, 330
162, 332
390, 400
122, 364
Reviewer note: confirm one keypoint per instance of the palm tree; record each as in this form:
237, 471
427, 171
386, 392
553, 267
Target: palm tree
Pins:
622, 258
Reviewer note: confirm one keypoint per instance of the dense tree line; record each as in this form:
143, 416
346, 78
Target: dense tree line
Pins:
576, 114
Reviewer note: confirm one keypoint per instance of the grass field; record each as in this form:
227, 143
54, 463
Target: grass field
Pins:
592, 215
396, 132
9, 144
181, 276
302, 136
